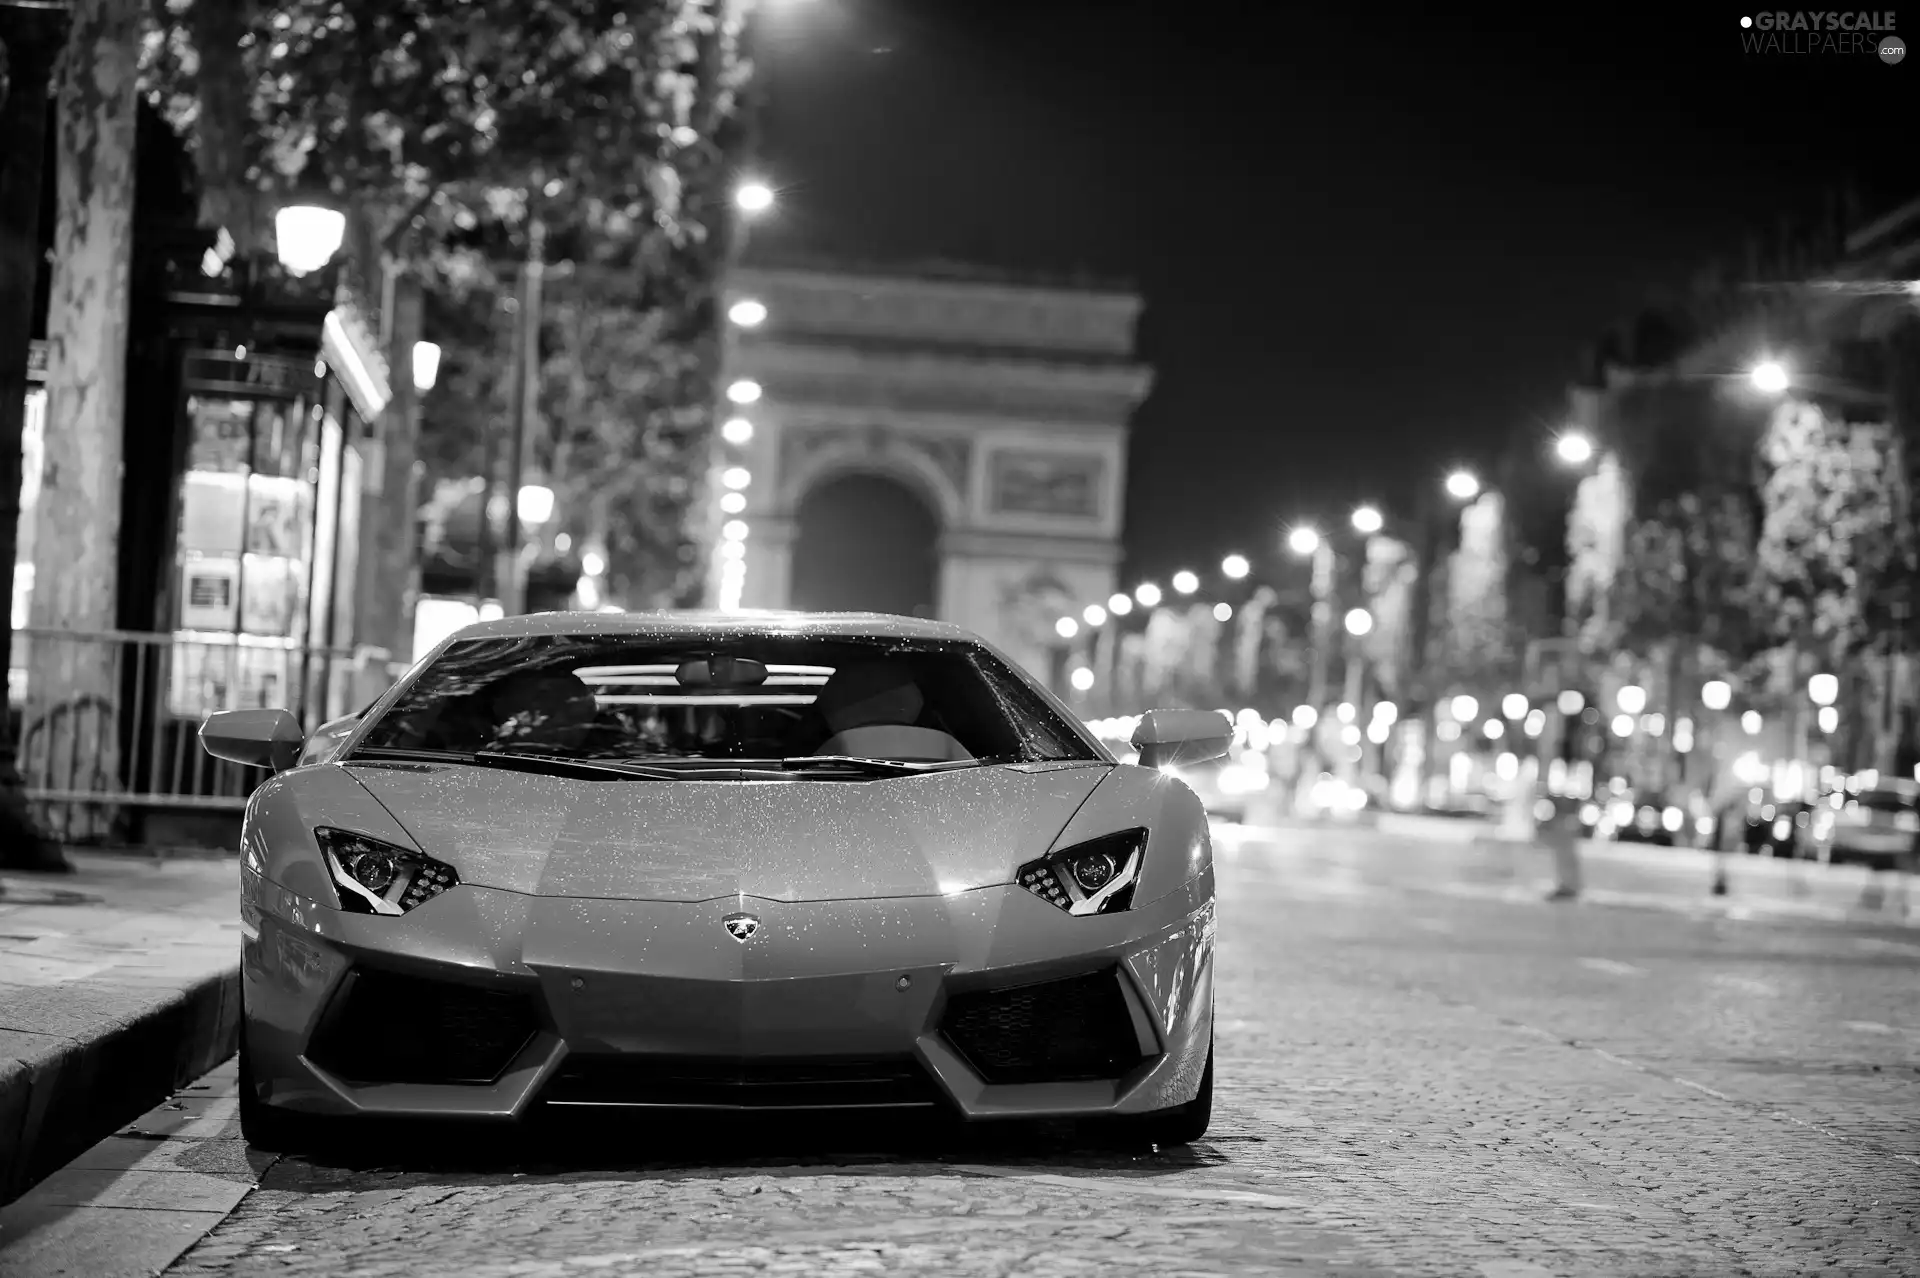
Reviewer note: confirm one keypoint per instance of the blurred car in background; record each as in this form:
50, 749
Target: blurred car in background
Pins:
1776, 829
1877, 826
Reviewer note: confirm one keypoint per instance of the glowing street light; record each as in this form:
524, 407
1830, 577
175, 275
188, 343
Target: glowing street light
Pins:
1094, 615
748, 312
1463, 485
734, 530
1631, 699
1824, 689
736, 477
535, 504
1716, 694
1235, 566
1148, 594
1464, 708
1368, 520
1574, 448
733, 503
1303, 540
736, 430
1514, 705
1223, 612
1359, 621
1120, 604
306, 236
744, 391
1066, 627
1082, 679
1770, 377
1185, 582
753, 196
426, 366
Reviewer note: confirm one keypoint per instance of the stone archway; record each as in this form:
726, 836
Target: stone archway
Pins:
865, 542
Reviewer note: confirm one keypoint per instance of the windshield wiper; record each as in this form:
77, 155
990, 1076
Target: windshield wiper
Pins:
547, 764
874, 767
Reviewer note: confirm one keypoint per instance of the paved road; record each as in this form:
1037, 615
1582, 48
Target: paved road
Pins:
1410, 1082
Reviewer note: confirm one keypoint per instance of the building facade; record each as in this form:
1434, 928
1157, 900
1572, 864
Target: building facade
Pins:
974, 425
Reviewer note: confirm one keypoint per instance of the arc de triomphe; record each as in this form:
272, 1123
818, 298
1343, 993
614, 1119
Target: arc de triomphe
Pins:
1003, 407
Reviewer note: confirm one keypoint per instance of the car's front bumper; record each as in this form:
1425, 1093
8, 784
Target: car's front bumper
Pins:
614, 983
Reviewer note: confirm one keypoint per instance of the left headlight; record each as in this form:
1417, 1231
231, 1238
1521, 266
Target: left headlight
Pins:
375, 877
1095, 877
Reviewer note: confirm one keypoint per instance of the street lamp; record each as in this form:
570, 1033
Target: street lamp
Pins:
1066, 627
1120, 604
1770, 377
1235, 566
1574, 448
1095, 616
1147, 593
736, 477
426, 366
1716, 694
535, 504
1223, 612
306, 236
744, 391
748, 312
1303, 540
1082, 679
753, 196
1824, 689
1359, 621
1367, 520
736, 431
1185, 582
1463, 485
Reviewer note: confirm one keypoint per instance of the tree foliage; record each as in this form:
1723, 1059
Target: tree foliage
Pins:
445, 129
1836, 535
1478, 644
1390, 577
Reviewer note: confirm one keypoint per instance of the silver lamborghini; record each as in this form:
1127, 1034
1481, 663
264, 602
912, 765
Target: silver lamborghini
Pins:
762, 862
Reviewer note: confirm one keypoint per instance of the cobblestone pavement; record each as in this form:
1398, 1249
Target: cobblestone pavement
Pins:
1408, 1083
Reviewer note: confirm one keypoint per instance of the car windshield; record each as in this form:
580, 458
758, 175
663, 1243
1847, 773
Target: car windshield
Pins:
761, 698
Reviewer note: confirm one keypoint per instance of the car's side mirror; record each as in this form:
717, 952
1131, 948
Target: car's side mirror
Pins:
257, 738
1170, 738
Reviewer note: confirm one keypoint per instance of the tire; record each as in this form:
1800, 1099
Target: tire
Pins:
265, 1127
1182, 1124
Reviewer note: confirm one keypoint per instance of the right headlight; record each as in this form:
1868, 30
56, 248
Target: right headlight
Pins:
376, 877
1095, 877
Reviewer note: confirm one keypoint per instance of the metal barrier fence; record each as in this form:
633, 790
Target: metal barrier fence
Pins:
108, 721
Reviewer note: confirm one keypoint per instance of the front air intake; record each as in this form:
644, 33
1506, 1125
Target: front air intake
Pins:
386, 1028
1068, 1030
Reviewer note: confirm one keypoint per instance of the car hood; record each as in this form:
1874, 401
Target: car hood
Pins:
801, 840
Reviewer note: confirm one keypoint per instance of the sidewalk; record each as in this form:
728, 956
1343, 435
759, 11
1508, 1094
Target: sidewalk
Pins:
119, 983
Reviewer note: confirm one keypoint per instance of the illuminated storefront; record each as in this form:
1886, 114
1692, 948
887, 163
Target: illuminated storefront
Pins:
257, 589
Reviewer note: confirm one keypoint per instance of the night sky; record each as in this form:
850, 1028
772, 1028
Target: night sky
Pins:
1372, 244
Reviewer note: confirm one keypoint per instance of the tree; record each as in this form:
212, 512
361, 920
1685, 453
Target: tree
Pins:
1388, 582
29, 41
1836, 530
72, 684
1478, 647
608, 123
1836, 543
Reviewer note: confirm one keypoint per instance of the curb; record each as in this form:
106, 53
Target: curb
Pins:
57, 1101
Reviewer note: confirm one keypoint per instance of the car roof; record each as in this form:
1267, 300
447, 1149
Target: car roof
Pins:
692, 624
